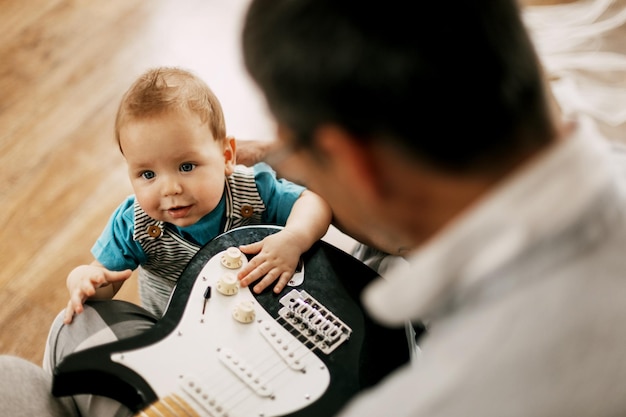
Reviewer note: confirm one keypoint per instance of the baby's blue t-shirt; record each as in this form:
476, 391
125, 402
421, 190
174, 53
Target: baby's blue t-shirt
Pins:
117, 250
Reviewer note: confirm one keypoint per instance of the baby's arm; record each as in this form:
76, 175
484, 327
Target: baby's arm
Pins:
278, 254
91, 281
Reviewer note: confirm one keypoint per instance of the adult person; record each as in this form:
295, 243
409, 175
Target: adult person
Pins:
25, 391
432, 134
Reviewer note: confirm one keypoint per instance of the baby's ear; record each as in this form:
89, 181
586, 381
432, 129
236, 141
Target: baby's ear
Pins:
230, 154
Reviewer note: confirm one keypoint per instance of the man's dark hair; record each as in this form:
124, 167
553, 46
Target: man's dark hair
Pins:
455, 83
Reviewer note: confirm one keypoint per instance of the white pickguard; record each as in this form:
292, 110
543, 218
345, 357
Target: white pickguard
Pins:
223, 367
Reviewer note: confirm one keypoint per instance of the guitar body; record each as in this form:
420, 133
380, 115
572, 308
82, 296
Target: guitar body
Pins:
225, 351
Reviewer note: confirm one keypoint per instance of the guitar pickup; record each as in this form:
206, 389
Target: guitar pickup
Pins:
203, 397
313, 321
288, 347
245, 372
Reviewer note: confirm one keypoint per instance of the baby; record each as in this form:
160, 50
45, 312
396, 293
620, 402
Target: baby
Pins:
187, 190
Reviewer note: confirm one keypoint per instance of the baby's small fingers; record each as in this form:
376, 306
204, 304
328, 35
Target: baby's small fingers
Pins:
264, 283
247, 270
249, 275
272, 276
87, 289
283, 280
77, 299
251, 248
69, 313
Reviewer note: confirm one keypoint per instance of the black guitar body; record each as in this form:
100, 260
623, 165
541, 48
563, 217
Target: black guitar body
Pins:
331, 276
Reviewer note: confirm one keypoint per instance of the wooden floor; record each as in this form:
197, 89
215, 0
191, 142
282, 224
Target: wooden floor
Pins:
64, 65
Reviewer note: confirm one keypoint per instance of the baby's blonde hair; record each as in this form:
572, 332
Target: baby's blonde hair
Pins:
164, 89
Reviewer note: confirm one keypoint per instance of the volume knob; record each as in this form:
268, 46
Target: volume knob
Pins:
231, 258
244, 312
228, 284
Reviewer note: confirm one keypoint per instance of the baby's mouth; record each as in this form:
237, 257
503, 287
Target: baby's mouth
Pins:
178, 212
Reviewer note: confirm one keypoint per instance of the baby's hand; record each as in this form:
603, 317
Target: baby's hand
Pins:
276, 258
83, 282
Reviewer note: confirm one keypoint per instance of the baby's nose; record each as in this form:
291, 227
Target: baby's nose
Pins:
171, 186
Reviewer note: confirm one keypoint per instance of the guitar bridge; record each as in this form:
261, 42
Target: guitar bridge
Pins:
313, 321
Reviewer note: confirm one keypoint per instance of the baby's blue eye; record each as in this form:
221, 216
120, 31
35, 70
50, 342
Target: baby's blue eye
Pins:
148, 175
186, 167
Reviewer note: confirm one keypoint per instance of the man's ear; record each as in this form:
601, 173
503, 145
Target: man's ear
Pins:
353, 160
230, 154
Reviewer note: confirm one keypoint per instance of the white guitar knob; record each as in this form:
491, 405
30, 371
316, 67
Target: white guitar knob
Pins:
244, 312
228, 284
232, 258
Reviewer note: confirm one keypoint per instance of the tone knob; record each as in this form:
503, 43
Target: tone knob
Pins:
231, 258
228, 284
244, 312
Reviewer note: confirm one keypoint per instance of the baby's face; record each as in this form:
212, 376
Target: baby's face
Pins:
176, 168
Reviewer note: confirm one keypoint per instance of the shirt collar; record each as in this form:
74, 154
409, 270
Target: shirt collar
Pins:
542, 198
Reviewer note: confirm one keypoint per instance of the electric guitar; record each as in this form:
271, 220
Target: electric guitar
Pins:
222, 351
